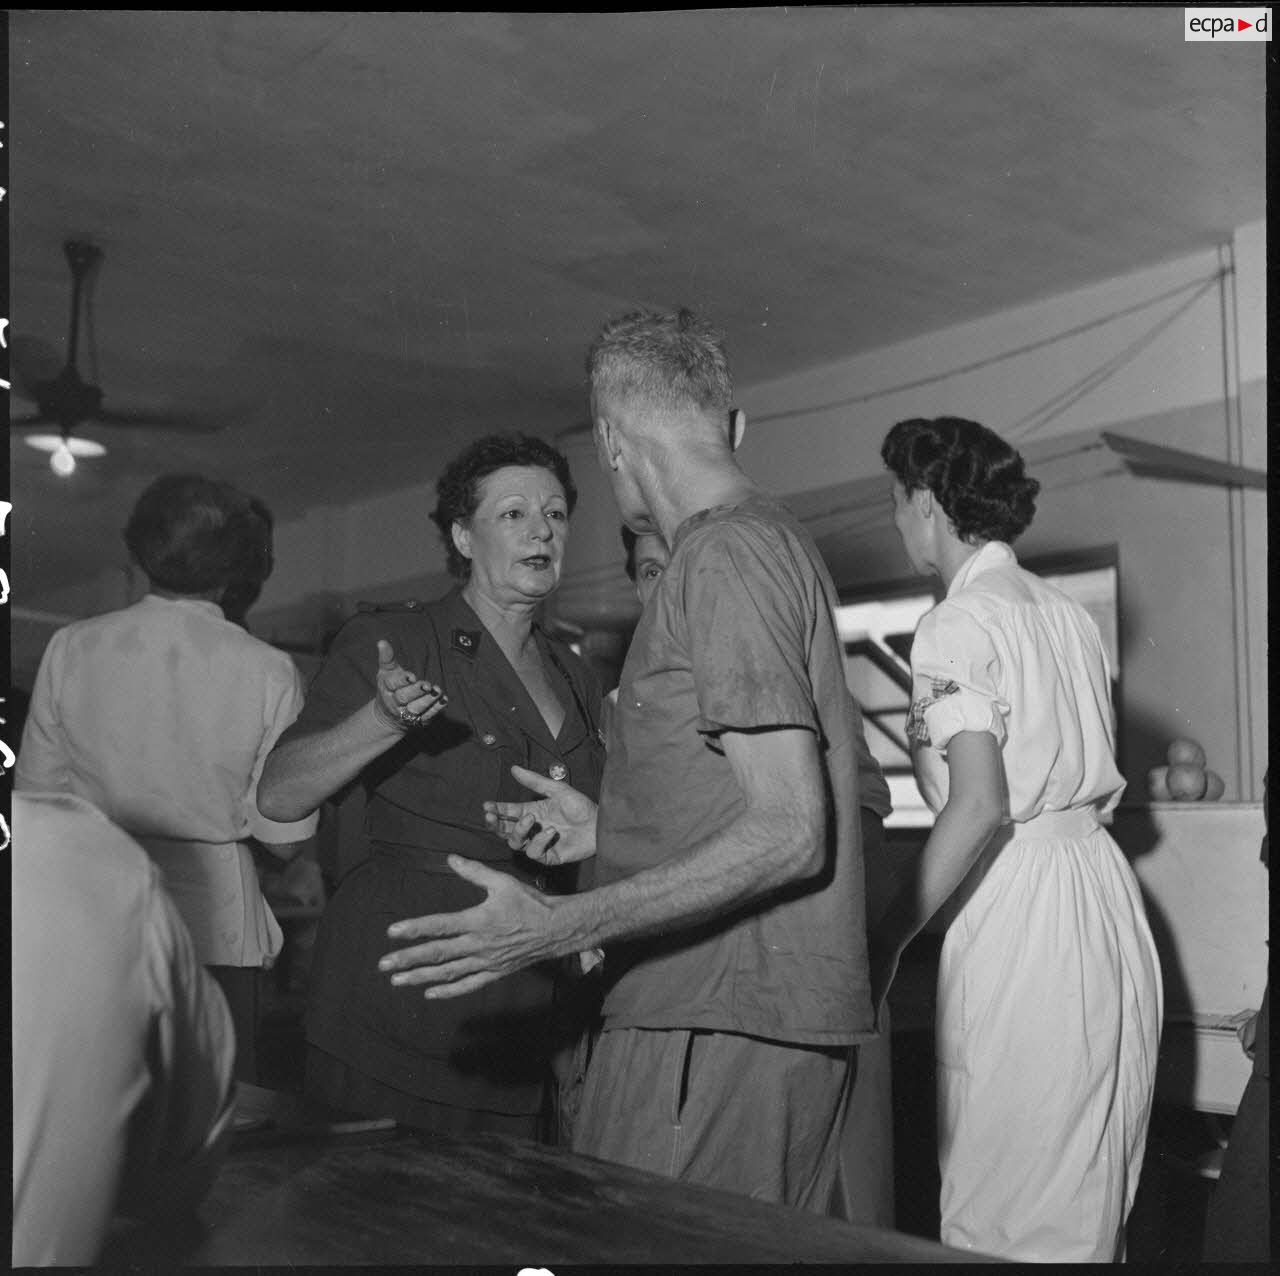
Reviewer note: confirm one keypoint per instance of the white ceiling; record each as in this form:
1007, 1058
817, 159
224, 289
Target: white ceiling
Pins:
354, 241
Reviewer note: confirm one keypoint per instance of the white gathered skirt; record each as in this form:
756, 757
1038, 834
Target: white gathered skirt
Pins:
1048, 1026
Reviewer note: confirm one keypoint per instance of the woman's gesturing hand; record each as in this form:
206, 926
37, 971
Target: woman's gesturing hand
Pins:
403, 699
560, 828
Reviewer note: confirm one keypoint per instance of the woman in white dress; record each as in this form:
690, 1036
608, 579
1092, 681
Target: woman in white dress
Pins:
1049, 993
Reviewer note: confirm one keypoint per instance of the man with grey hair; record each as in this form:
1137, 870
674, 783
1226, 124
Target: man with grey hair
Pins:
730, 897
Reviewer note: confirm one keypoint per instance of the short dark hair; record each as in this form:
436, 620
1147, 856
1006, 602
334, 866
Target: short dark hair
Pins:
670, 358
243, 590
193, 534
458, 488
979, 480
629, 539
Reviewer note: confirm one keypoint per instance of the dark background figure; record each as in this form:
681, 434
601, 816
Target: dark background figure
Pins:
1238, 1222
491, 688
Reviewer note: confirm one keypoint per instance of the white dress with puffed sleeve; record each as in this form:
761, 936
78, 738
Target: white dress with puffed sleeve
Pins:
1049, 991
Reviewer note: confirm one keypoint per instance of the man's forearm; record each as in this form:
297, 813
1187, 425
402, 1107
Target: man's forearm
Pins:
757, 854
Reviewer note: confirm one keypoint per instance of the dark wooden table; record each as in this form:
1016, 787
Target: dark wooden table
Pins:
399, 1199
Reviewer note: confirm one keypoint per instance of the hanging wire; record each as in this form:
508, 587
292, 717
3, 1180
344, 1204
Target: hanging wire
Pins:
1060, 402
1237, 529
862, 518
1089, 325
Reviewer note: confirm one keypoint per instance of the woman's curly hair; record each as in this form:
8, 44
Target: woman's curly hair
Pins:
458, 488
979, 480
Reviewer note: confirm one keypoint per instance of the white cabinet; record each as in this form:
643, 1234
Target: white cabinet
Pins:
1205, 888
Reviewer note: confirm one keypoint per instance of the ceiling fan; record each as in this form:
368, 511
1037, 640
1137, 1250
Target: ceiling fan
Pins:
63, 398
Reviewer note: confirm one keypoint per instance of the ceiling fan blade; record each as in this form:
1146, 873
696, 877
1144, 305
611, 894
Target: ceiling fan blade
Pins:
156, 420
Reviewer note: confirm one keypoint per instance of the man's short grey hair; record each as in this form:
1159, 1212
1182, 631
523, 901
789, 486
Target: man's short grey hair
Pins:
669, 359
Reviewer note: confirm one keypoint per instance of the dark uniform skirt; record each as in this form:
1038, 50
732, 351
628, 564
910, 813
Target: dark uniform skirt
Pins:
480, 1061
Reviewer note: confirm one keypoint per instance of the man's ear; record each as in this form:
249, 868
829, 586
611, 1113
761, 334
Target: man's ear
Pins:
923, 497
607, 440
737, 428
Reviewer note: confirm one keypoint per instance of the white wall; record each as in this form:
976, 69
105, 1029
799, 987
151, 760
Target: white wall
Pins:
1193, 561
341, 549
379, 550
802, 425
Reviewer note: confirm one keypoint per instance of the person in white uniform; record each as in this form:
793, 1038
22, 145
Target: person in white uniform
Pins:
162, 715
1049, 989
123, 1047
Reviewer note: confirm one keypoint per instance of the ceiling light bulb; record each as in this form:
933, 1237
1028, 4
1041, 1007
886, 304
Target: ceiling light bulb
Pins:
62, 462
78, 448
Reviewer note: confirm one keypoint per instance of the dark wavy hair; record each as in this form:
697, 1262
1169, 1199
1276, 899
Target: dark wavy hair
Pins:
672, 359
458, 488
192, 534
979, 480
245, 586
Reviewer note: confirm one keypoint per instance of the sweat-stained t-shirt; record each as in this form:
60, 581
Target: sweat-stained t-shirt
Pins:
738, 636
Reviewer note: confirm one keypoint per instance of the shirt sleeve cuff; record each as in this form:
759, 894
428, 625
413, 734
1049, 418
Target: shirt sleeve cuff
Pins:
274, 833
963, 711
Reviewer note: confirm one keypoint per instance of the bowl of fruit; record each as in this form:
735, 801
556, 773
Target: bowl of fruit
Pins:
1184, 776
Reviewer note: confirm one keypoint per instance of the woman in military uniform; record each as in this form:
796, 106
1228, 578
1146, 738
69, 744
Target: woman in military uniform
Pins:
427, 706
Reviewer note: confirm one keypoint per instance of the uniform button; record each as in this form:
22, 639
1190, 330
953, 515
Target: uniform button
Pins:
489, 738
558, 771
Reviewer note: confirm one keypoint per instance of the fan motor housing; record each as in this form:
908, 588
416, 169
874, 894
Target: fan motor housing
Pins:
68, 398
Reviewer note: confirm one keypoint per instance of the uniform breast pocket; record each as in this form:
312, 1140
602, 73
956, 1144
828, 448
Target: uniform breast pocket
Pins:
497, 752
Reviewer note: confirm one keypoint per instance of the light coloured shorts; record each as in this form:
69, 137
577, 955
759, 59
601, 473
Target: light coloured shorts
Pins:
758, 1117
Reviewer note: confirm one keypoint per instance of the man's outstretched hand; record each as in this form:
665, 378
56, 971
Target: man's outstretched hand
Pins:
558, 828
463, 951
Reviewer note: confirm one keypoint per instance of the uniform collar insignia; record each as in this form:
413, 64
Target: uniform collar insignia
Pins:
466, 641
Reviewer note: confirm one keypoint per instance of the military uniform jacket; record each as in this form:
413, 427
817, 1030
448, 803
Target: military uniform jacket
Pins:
487, 1050
428, 789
